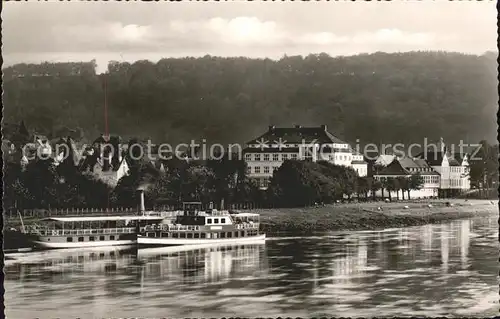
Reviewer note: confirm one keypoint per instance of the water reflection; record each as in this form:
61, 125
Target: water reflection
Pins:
434, 270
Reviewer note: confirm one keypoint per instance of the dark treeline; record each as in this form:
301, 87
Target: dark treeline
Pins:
378, 98
41, 184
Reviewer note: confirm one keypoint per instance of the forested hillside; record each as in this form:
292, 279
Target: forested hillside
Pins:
379, 98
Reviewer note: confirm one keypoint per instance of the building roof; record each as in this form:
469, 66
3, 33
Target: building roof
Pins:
298, 134
432, 158
100, 218
453, 162
459, 156
403, 166
394, 168
384, 160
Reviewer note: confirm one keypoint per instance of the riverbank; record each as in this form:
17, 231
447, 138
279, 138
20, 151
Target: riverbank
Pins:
365, 216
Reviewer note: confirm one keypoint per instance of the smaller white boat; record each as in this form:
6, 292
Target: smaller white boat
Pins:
85, 231
192, 226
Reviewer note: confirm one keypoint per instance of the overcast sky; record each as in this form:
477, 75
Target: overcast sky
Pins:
82, 31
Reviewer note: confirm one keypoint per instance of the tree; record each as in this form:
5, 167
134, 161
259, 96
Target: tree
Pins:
484, 166
416, 93
384, 185
401, 185
416, 182
404, 182
390, 185
364, 186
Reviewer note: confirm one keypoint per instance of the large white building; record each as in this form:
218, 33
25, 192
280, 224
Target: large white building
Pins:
452, 168
266, 153
444, 174
389, 166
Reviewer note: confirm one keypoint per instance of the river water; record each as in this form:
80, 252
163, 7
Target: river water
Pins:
432, 270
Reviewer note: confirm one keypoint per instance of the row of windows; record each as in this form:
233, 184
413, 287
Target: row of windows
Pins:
258, 170
431, 179
455, 182
293, 156
91, 238
230, 234
420, 169
267, 157
215, 220
454, 169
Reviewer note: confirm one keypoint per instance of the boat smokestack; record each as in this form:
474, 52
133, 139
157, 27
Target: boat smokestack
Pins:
141, 200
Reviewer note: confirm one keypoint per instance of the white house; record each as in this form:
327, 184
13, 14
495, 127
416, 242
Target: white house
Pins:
406, 167
453, 169
266, 153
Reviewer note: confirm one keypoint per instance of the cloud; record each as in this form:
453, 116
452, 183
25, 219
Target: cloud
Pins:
131, 33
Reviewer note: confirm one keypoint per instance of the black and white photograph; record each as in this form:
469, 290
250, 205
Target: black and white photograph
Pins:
251, 159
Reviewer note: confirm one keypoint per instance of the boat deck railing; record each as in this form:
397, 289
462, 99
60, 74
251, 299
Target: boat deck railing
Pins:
171, 227
77, 232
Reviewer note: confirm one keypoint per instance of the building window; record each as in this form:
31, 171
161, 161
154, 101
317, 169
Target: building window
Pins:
266, 169
69, 239
80, 238
275, 168
222, 220
276, 157
249, 169
248, 157
294, 156
257, 169
266, 157
257, 157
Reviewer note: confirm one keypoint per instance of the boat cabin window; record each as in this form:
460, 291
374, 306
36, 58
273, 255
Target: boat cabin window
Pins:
101, 237
216, 220
189, 235
112, 237
80, 238
183, 235
69, 239
242, 233
175, 235
197, 235
236, 234
209, 220
203, 235
222, 235
229, 235
222, 220
91, 238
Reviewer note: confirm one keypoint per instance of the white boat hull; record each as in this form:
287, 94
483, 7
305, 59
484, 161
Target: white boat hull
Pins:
141, 240
44, 244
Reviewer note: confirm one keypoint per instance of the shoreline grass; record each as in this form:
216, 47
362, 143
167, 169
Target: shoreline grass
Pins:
366, 216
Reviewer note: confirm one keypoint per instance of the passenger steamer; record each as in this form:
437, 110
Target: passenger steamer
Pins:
88, 231
192, 226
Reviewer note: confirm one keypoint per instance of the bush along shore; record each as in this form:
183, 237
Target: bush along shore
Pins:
369, 216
